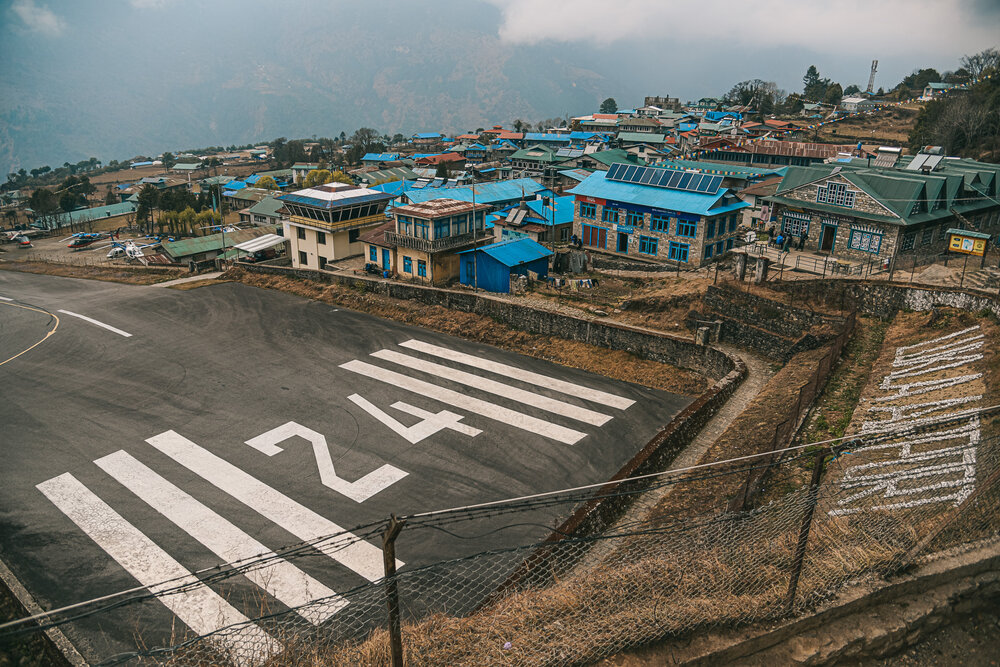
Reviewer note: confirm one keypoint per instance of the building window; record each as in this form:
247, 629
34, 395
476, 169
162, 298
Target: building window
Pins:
907, 242
442, 228
836, 194
609, 214
322, 261
353, 235
407, 264
710, 229
648, 245
564, 234
320, 238
733, 221
659, 223
708, 251
303, 258
420, 228
421, 268
373, 254
729, 244
588, 210
687, 229
301, 232
863, 241
635, 219
795, 225
718, 248
927, 236
942, 232
596, 237
678, 251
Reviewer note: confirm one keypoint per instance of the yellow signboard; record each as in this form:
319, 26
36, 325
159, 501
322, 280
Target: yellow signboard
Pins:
967, 245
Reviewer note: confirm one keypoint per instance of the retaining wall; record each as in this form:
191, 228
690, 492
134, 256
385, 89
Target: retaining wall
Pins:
644, 343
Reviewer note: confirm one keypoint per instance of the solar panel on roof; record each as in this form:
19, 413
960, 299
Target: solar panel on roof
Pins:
683, 183
696, 180
613, 171
629, 174
675, 178
647, 176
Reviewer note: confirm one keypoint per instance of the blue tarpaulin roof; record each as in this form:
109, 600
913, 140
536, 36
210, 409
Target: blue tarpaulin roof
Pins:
380, 157
514, 252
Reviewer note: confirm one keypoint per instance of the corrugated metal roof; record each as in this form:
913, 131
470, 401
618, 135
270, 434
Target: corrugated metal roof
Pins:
380, 157
486, 193
643, 195
267, 206
514, 252
260, 243
200, 244
546, 136
85, 214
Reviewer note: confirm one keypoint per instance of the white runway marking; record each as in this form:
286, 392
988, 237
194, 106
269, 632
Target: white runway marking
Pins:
498, 388
100, 324
429, 425
3, 298
277, 576
359, 490
358, 555
480, 407
516, 373
199, 607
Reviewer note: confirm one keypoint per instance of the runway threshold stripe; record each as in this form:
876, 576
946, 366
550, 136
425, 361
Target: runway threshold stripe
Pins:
198, 606
498, 388
459, 400
98, 323
358, 555
3, 298
521, 374
277, 577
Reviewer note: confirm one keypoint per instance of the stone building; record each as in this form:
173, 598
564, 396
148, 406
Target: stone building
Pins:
859, 211
657, 214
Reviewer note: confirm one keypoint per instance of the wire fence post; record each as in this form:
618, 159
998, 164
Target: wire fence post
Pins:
392, 589
800, 548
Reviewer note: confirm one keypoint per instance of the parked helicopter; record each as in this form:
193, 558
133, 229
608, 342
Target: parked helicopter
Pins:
129, 249
84, 239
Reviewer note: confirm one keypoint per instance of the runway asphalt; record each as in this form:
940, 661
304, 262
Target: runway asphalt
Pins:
126, 457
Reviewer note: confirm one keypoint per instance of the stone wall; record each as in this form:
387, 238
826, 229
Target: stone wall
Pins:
884, 300
776, 330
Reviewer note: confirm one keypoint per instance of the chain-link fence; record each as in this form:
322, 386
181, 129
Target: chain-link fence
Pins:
819, 522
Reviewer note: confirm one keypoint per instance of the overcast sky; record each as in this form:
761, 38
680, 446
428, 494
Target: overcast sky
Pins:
63, 58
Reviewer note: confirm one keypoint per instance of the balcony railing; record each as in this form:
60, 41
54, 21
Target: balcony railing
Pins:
435, 245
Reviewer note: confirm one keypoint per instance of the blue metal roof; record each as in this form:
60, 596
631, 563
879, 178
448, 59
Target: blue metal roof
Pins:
380, 157
514, 252
486, 193
546, 136
235, 185
250, 180
427, 135
596, 185
541, 215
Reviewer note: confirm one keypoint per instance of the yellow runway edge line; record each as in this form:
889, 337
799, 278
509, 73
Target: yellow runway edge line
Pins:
45, 338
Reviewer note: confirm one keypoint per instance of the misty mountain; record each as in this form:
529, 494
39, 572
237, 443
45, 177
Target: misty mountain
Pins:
241, 77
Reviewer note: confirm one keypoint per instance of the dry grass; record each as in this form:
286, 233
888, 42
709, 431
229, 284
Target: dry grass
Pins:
615, 364
115, 274
195, 284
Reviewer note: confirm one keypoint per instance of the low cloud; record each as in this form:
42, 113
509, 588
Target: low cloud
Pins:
880, 27
38, 18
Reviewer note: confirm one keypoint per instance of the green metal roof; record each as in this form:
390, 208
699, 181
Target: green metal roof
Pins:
966, 232
200, 244
268, 206
537, 152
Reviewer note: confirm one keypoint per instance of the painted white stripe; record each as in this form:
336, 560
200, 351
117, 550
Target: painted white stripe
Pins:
276, 576
360, 556
100, 324
498, 388
521, 374
198, 606
496, 412
454, 425
3, 298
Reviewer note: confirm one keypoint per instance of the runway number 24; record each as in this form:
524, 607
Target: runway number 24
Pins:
379, 479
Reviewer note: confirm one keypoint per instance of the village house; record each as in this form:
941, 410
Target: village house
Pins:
325, 222
265, 212
546, 220
300, 169
424, 238
491, 267
657, 214
775, 153
859, 211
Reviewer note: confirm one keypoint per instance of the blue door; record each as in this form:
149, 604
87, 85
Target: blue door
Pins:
385, 259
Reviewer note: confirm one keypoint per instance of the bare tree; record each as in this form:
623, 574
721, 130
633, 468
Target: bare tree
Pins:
981, 62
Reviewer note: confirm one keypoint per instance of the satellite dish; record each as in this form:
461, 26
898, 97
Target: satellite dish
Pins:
751, 236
